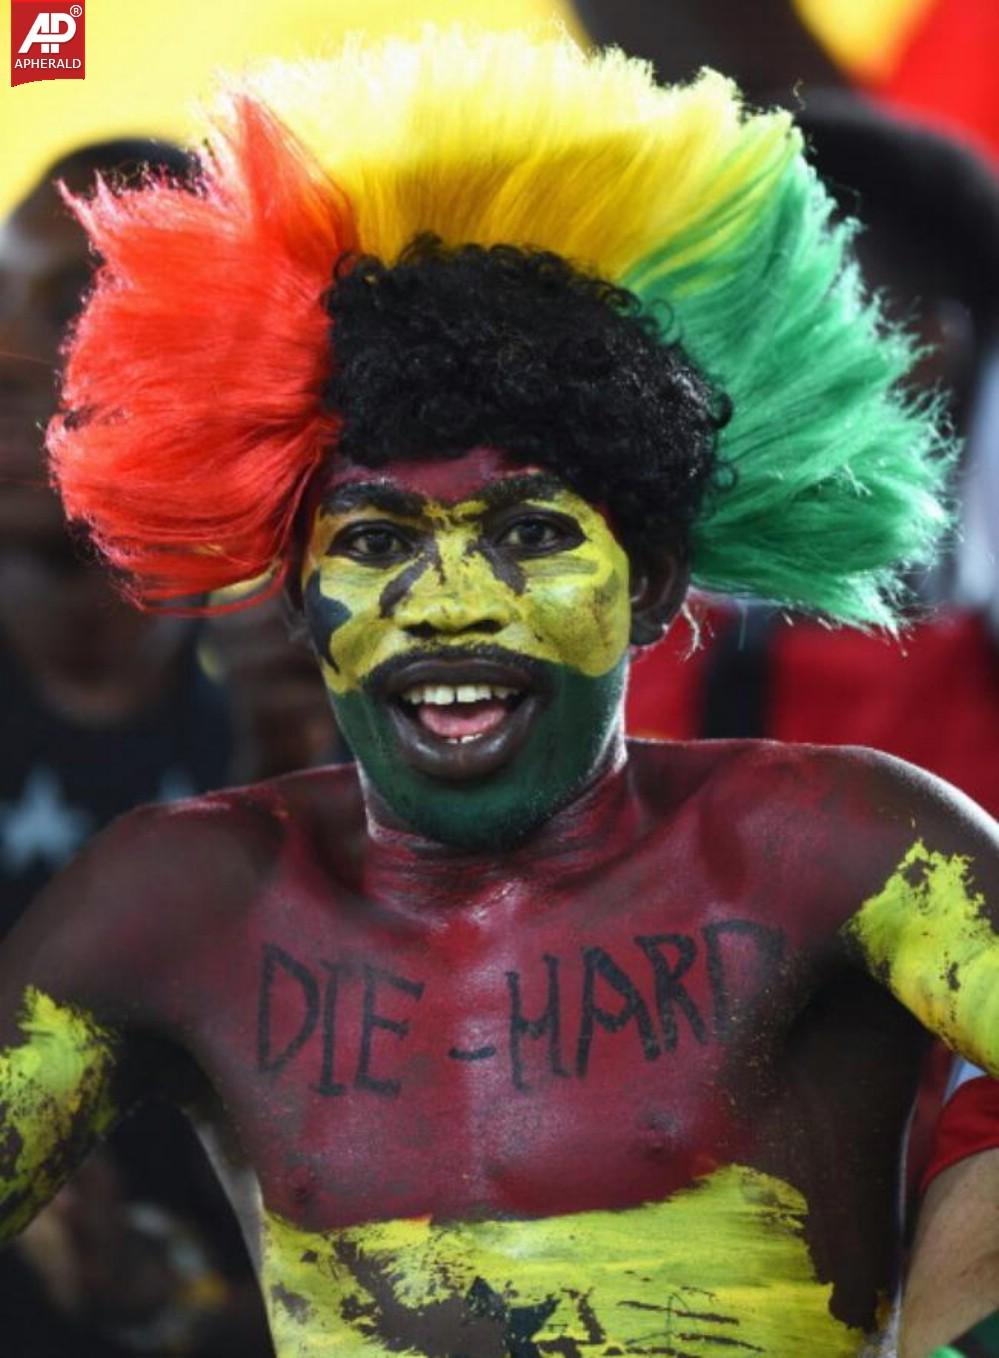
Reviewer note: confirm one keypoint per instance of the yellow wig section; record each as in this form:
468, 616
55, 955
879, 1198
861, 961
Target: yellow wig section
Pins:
504, 138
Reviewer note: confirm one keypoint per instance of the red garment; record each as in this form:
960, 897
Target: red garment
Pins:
665, 686
945, 74
968, 1123
932, 698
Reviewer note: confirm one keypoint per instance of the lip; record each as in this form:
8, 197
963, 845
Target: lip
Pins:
452, 761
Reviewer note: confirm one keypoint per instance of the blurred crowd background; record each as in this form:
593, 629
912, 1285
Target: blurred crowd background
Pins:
102, 708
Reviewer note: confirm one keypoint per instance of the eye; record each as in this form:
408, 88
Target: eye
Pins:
538, 534
375, 544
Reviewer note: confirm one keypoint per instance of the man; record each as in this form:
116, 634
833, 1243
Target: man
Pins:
519, 1040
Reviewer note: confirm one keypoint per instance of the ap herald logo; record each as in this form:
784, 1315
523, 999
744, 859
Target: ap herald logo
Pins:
46, 41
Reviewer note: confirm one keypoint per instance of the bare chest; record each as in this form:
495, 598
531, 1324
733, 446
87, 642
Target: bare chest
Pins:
579, 1059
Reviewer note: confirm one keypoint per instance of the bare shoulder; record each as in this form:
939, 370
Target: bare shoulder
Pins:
857, 811
777, 770
162, 880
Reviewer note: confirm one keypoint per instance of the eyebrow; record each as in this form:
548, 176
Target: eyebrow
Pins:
407, 504
375, 495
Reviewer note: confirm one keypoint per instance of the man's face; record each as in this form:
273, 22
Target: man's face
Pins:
60, 608
44, 268
471, 618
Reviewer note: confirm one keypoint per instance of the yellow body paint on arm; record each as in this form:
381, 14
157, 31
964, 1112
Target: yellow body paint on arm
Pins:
54, 1100
927, 936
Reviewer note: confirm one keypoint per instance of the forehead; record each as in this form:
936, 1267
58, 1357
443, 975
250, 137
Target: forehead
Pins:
444, 480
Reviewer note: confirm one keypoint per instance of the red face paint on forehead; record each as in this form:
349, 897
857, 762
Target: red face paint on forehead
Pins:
446, 480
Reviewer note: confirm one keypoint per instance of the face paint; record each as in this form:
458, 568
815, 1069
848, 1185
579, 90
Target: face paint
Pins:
474, 645
54, 1093
927, 935
722, 1265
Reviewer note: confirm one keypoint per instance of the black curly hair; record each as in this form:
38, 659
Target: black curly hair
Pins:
449, 349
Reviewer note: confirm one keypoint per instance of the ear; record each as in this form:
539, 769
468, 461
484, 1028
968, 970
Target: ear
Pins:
659, 584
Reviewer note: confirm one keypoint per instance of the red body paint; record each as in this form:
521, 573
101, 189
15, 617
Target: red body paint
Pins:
653, 986
446, 480
590, 1021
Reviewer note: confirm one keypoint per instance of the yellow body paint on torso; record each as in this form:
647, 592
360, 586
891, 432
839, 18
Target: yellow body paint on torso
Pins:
926, 935
53, 1088
720, 1267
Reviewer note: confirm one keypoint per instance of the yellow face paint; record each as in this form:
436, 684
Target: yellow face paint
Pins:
465, 562
722, 1261
927, 936
570, 608
54, 1090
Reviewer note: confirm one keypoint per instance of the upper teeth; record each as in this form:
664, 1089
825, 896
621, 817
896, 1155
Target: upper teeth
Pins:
442, 694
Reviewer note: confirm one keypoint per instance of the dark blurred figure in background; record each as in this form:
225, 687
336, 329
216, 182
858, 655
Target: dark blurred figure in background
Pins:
101, 708
763, 46
280, 711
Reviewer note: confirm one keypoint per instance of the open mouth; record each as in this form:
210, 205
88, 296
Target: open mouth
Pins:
461, 717
464, 713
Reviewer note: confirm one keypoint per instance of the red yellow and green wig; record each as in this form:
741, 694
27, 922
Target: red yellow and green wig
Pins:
193, 397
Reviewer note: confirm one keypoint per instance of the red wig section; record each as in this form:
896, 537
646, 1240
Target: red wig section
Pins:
192, 413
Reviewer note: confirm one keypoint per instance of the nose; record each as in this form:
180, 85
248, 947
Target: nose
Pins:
462, 598
449, 615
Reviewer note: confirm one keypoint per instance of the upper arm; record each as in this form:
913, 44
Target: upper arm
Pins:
953, 1279
77, 976
929, 928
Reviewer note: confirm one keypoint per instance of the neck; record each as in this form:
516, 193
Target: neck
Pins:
417, 874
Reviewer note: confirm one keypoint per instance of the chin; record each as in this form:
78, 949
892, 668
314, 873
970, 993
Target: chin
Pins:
554, 738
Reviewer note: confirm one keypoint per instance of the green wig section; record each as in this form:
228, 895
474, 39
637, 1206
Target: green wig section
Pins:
832, 476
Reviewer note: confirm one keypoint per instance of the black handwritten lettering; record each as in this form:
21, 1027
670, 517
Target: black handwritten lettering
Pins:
328, 1085
299, 1002
671, 993
276, 958
768, 945
370, 1020
598, 962
549, 1023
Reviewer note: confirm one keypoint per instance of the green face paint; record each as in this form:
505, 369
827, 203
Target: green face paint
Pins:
54, 1092
568, 741
518, 572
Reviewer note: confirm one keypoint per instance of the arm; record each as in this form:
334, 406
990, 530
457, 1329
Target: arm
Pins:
67, 1070
953, 1277
930, 930
57, 1099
